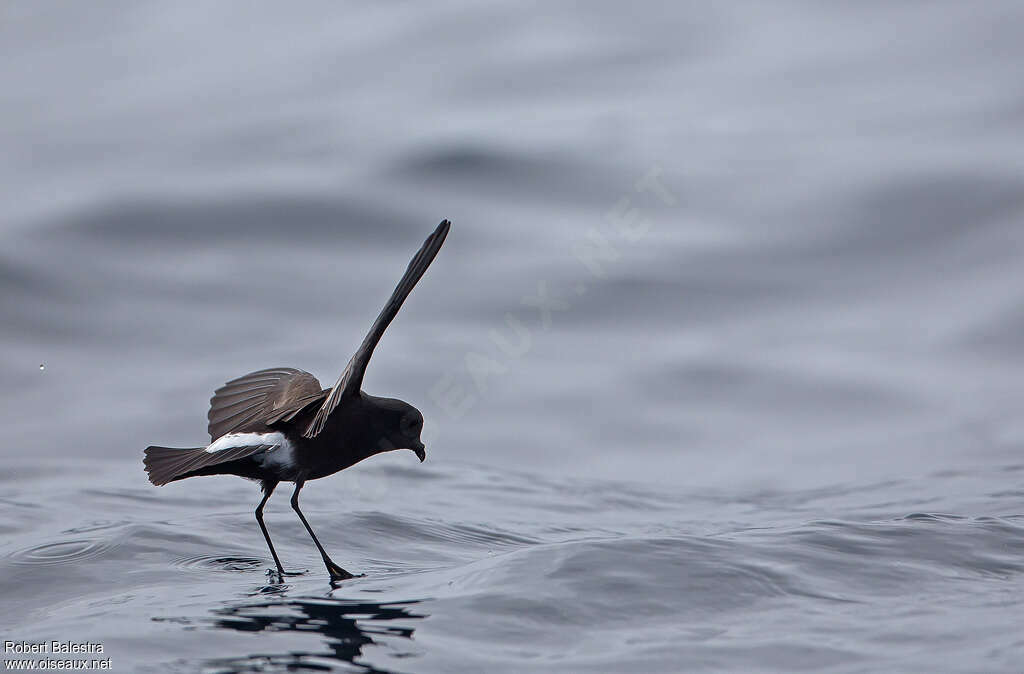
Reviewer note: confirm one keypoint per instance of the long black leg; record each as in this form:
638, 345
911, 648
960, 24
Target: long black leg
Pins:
268, 489
337, 573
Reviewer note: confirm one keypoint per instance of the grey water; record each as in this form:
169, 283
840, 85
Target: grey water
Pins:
721, 364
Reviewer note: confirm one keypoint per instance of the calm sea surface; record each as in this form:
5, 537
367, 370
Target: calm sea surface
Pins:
722, 364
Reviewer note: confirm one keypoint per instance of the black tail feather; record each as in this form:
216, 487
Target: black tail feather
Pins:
164, 464
167, 464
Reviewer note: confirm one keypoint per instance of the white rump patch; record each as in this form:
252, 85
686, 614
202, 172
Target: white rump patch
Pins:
232, 440
281, 457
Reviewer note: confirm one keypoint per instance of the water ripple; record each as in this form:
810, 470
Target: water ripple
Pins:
61, 552
228, 564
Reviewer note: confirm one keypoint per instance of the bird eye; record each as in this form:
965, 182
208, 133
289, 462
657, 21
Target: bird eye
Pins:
411, 424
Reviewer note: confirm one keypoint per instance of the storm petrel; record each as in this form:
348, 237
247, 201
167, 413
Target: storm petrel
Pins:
279, 425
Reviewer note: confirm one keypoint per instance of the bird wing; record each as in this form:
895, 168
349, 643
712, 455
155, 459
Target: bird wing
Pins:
260, 398
351, 379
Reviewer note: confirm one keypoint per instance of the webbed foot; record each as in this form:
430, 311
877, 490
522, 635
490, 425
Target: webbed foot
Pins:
338, 573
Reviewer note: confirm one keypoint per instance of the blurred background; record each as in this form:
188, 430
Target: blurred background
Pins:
746, 247
827, 283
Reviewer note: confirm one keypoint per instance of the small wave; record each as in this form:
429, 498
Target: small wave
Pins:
218, 563
885, 556
95, 526
403, 528
932, 517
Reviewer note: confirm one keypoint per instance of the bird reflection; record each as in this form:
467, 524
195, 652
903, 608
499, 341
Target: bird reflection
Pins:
344, 626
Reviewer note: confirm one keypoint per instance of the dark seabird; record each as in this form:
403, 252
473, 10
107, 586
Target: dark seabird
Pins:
279, 425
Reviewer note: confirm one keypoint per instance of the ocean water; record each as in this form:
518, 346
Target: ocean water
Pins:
721, 363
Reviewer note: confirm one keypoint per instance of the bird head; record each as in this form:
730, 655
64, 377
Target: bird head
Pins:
398, 426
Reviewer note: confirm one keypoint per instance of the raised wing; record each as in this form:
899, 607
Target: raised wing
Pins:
351, 379
260, 398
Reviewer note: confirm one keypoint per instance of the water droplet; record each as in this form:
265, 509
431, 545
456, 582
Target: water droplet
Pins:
41, 367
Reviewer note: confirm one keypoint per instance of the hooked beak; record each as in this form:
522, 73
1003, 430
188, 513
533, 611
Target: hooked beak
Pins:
421, 451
